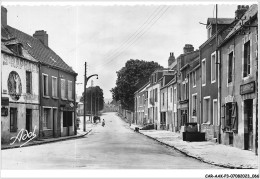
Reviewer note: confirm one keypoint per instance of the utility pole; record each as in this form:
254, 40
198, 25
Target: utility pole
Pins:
84, 113
219, 77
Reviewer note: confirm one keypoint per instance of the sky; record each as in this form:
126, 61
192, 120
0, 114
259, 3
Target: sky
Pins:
107, 36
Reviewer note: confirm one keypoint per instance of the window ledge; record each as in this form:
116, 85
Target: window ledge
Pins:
46, 97
65, 99
213, 81
72, 100
47, 129
55, 97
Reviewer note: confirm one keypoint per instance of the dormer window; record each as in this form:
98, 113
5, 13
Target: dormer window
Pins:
16, 48
209, 28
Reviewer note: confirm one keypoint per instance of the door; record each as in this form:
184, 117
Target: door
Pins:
54, 117
28, 124
248, 117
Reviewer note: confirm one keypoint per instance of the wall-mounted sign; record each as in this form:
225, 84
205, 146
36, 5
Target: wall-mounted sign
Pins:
229, 99
5, 101
247, 88
4, 111
14, 85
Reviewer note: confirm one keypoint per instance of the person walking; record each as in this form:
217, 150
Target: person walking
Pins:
103, 122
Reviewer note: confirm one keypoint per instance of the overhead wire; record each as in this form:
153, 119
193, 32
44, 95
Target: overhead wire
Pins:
137, 36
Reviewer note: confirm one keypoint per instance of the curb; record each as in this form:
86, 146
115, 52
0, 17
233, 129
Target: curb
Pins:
46, 142
189, 155
198, 158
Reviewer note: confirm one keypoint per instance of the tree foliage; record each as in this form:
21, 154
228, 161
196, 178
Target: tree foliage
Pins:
128, 78
95, 95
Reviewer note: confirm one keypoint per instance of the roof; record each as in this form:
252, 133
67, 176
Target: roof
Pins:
220, 21
38, 50
252, 11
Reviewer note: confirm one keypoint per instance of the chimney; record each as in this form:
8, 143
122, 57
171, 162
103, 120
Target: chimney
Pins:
188, 48
241, 9
171, 59
3, 16
42, 36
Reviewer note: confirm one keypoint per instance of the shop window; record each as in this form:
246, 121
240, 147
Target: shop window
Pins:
194, 105
206, 110
46, 123
230, 122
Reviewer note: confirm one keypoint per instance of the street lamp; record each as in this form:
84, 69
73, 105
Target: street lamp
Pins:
85, 84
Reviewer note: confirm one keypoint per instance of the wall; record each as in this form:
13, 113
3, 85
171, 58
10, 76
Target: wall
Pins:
31, 101
232, 91
209, 90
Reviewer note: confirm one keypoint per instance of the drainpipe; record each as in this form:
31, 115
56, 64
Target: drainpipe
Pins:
75, 125
200, 92
219, 76
40, 98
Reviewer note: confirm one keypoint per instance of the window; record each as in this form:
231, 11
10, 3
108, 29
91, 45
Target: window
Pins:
46, 123
194, 105
175, 100
230, 68
54, 86
155, 94
45, 85
163, 99
70, 90
194, 79
206, 110
13, 119
213, 67
215, 112
246, 70
203, 72
28, 82
171, 96
63, 88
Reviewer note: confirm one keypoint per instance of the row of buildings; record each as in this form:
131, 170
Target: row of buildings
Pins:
37, 86
214, 87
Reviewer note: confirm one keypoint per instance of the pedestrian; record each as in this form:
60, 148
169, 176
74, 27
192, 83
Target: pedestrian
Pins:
103, 122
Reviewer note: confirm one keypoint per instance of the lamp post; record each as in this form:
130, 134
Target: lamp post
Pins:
85, 84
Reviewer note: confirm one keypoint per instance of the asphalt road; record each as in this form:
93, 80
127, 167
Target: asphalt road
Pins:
114, 146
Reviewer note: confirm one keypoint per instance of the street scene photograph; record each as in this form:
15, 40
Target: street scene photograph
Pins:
140, 86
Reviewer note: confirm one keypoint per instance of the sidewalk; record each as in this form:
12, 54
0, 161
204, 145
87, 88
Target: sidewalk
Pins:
207, 151
80, 133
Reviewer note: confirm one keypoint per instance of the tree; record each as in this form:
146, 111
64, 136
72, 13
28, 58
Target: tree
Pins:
134, 73
94, 94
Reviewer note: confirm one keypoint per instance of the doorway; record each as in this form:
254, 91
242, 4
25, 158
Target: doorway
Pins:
28, 125
248, 118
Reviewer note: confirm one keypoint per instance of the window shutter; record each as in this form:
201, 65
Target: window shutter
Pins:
223, 116
234, 118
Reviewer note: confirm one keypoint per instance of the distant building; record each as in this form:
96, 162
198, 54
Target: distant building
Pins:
183, 65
